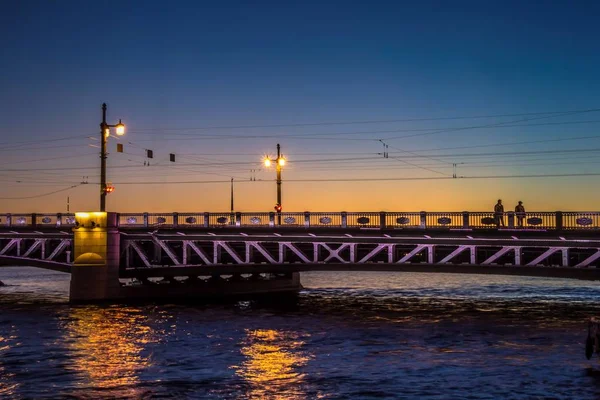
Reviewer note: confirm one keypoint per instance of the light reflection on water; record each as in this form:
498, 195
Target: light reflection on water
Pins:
272, 363
106, 347
8, 385
369, 335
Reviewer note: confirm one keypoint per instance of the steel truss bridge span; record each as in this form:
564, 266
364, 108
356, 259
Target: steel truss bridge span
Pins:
37, 249
168, 253
165, 254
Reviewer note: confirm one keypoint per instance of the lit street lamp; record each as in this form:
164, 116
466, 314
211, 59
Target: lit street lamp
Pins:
105, 133
279, 162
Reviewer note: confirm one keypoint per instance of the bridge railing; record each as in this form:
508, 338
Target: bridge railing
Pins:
39, 220
536, 220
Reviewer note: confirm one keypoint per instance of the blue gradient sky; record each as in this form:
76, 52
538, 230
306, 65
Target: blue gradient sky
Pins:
170, 68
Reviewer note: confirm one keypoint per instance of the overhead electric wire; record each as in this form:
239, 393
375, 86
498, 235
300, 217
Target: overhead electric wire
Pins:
371, 121
40, 195
484, 126
325, 136
26, 142
49, 159
374, 179
409, 163
509, 143
321, 161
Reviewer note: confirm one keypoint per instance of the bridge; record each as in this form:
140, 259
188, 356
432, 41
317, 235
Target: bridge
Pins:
264, 252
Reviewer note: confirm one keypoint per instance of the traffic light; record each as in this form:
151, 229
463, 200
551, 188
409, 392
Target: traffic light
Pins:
278, 207
172, 157
149, 154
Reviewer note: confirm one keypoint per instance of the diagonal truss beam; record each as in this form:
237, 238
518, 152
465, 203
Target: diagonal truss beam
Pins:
140, 252
10, 245
34, 246
419, 248
218, 245
201, 253
504, 250
335, 253
261, 250
293, 249
163, 245
547, 254
589, 260
456, 252
59, 249
377, 250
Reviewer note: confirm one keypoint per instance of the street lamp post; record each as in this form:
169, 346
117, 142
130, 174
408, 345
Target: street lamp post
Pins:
104, 134
279, 163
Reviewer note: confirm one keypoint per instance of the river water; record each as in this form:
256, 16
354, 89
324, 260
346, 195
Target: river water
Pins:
349, 336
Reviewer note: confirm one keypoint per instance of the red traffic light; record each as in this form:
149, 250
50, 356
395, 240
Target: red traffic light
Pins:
277, 207
110, 189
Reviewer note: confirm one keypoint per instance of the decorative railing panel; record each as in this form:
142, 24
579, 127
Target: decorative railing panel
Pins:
482, 220
255, 219
535, 220
131, 220
581, 220
444, 220
160, 220
321, 219
363, 220
292, 219
403, 220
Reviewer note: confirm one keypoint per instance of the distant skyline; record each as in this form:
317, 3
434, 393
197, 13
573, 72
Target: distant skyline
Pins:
220, 84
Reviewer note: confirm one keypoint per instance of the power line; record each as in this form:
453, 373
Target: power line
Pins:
484, 126
48, 159
24, 143
371, 121
40, 195
371, 179
510, 143
325, 136
319, 161
515, 153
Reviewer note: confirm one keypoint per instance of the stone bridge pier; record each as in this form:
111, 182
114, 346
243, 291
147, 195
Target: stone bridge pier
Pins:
95, 269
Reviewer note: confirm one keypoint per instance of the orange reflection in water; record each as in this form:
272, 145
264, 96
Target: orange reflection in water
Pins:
7, 385
272, 362
106, 347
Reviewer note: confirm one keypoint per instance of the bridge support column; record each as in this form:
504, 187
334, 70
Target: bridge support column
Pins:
95, 270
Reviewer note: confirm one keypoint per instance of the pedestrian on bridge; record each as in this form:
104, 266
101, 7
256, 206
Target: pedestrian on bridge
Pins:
499, 213
520, 213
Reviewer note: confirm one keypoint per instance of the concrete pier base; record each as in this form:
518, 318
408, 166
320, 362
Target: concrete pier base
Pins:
94, 283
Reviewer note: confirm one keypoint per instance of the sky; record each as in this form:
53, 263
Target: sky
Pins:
508, 91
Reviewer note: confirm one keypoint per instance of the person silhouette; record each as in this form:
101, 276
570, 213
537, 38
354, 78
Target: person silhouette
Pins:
499, 213
520, 213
